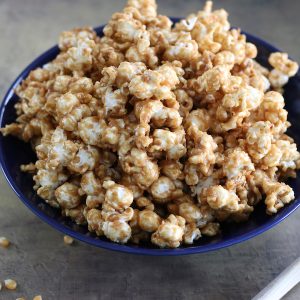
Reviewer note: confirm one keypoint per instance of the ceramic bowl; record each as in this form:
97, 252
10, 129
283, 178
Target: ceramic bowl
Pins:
14, 152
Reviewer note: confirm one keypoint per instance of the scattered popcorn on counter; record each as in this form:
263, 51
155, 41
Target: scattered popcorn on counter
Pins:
68, 240
10, 284
4, 242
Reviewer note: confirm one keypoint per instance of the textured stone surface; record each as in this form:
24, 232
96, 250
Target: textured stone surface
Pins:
38, 258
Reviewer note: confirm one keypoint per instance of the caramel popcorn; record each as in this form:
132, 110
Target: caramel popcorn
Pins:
148, 220
95, 221
218, 197
210, 229
169, 233
259, 139
158, 132
284, 68
237, 163
191, 233
164, 190
117, 231
117, 197
67, 195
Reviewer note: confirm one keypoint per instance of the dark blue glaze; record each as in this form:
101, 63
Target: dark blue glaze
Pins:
14, 152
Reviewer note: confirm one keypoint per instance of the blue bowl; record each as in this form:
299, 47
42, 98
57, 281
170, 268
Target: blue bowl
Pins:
14, 152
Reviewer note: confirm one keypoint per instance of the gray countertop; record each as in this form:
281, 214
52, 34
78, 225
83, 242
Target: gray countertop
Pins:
38, 258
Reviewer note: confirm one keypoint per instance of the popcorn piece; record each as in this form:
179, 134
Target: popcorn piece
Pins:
66, 103
117, 212
191, 234
218, 197
68, 240
46, 183
142, 53
95, 221
145, 9
141, 167
114, 103
10, 284
33, 99
61, 154
123, 28
169, 233
282, 63
157, 84
67, 195
80, 57
184, 50
289, 155
69, 39
259, 139
127, 71
224, 58
283, 69
164, 190
155, 112
278, 79
144, 202
173, 143
278, 194
92, 187
203, 153
117, 231
259, 81
201, 158
4, 242
93, 131
212, 80
71, 111
173, 207
127, 29
203, 183
148, 220
160, 116
237, 163
129, 182
211, 229
172, 169
272, 110
30, 168
76, 214
236, 106
85, 159
117, 196
272, 158
185, 102
197, 120
190, 212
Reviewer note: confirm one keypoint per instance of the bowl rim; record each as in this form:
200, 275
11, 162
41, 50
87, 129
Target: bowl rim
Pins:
107, 244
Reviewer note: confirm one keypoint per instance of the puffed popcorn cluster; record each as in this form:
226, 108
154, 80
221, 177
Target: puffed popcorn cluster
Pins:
157, 132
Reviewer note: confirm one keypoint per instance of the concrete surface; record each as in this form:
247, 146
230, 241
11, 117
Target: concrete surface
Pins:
38, 258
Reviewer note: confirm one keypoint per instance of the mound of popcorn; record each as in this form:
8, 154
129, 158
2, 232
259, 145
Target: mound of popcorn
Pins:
157, 132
